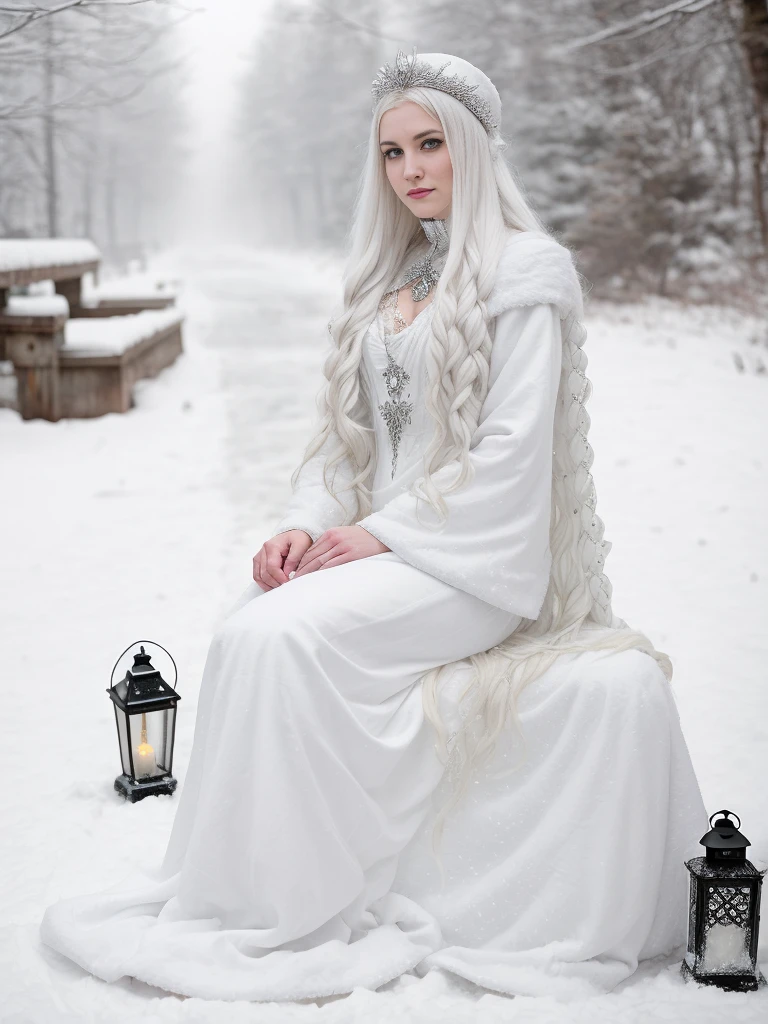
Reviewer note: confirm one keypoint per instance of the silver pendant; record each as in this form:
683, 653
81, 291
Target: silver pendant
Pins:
426, 270
396, 412
420, 290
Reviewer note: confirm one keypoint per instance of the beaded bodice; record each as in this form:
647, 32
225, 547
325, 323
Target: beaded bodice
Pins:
396, 411
396, 359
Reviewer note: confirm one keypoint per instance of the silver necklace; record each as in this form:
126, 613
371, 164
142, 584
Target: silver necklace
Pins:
426, 270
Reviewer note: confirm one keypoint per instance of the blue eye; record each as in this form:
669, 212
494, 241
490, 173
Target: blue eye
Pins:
396, 149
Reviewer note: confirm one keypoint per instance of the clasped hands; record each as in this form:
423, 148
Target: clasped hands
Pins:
294, 552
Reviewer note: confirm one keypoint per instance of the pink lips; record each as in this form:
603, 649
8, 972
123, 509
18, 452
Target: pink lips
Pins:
419, 192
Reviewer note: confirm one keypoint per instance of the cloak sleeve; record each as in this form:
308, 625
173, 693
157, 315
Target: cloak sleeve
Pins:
311, 507
495, 543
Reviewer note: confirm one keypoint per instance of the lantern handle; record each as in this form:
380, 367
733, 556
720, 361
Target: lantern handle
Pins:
731, 814
154, 642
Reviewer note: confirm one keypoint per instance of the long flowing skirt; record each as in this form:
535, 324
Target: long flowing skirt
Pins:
299, 863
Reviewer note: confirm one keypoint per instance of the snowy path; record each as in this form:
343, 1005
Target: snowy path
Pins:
144, 525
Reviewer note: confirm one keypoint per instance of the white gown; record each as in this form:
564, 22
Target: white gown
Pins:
299, 865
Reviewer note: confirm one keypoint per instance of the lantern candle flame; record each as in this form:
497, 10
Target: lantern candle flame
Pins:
144, 756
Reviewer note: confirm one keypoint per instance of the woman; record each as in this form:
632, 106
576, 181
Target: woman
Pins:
448, 491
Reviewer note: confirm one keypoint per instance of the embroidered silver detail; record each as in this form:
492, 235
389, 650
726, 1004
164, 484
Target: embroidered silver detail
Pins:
396, 412
407, 72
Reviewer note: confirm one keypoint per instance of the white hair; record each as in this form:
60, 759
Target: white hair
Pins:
487, 203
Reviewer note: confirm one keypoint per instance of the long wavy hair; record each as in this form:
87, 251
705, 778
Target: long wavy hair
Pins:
487, 204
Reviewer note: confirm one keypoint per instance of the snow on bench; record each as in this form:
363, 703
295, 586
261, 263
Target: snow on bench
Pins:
36, 305
25, 261
116, 335
132, 288
24, 255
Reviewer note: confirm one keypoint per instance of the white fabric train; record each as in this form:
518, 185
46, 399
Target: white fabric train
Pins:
299, 865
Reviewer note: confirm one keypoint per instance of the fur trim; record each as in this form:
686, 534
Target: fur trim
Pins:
534, 269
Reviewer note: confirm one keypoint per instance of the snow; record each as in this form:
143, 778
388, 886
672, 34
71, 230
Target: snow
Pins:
112, 335
24, 253
36, 305
144, 525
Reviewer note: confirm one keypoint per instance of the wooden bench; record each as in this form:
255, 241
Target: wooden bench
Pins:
72, 359
97, 373
79, 367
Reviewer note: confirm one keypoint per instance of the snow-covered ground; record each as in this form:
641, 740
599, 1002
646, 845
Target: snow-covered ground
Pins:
144, 526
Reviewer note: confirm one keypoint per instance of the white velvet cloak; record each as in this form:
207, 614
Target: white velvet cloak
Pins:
495, 543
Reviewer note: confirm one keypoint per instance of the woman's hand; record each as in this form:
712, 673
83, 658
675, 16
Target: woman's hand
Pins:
278, 556
338, 545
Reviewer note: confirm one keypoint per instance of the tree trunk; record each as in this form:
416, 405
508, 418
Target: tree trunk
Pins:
733, 149
754, 42
49, 130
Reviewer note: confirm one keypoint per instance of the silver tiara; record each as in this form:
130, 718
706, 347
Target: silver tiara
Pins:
408, 71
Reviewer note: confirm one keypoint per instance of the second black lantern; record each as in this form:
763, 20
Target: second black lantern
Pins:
724, 911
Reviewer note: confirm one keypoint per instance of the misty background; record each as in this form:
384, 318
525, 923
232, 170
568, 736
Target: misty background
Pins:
211, 149
638, 128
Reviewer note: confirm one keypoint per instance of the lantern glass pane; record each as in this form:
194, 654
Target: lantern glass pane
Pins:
168, 736
122, 735
726, 937
150, 737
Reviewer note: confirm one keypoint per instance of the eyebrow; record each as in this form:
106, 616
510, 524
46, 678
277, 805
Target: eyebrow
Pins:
429, 131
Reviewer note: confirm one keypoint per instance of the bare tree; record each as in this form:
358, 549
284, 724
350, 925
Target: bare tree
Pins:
302, 123
746, 24
17, 16
73, 88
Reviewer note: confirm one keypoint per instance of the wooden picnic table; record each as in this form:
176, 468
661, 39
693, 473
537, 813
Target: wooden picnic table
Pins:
65, 261
57, 375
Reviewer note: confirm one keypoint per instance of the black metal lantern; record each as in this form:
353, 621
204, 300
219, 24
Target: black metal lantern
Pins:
724, 914
145, 712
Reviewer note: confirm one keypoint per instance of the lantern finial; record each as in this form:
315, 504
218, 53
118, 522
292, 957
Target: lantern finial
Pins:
724, 842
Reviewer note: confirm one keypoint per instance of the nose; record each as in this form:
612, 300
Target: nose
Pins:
412, 169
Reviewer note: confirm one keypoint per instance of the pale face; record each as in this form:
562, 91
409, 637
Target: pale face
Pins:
415, 157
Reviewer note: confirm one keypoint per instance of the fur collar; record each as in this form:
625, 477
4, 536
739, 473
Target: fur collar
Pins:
534, 269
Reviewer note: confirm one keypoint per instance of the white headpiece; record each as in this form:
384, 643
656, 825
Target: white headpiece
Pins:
464, 82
